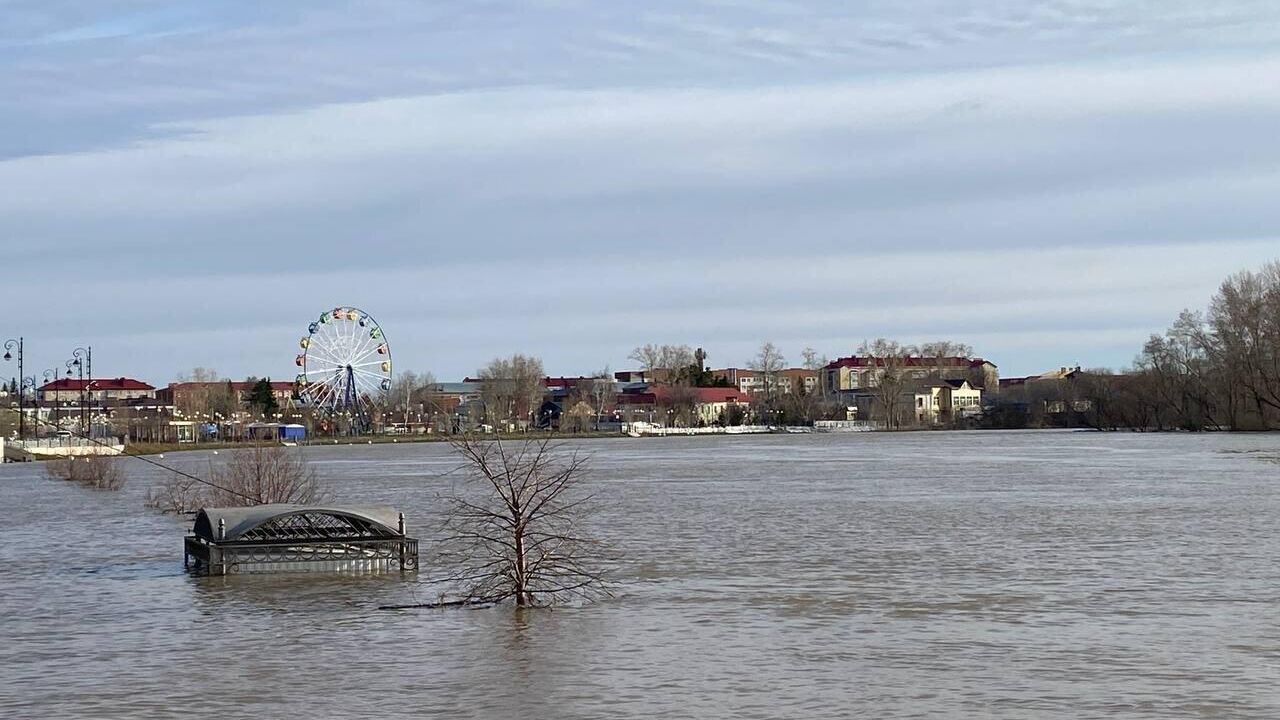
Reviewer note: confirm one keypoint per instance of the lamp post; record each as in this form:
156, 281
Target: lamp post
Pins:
89, 387
50, 376
9, 346
70, 373
76, 369
28, 385
82, 358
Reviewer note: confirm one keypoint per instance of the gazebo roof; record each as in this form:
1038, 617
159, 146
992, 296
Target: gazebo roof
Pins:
283, 523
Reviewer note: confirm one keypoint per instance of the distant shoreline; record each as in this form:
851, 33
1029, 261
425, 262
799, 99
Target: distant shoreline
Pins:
157, 448
147, 449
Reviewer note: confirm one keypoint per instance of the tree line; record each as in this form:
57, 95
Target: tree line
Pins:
1215, 369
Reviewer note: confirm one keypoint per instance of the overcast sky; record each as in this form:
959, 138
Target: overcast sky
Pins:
190, 183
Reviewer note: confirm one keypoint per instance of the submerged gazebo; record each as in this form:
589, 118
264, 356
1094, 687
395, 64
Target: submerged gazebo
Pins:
299, 538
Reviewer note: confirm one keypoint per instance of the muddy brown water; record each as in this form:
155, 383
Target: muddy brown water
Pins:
925, 575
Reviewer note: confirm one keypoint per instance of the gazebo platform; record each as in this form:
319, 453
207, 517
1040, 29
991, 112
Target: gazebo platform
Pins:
299, 538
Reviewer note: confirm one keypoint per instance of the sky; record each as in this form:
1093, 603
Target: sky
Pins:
190, 184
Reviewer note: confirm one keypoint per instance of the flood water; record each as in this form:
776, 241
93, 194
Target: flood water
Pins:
922, 575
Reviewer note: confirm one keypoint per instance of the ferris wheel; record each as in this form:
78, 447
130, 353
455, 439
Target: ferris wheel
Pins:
344, 365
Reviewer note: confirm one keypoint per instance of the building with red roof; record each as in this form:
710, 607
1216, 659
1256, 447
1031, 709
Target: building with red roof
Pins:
667, 404
181, 393
95, 390
861, 373
786, 381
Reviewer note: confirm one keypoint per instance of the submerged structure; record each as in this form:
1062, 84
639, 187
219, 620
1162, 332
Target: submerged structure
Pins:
299, 538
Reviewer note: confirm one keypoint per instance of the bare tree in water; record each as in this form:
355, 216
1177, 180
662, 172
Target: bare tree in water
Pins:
264, 474
251, 476
515, 530
101, 472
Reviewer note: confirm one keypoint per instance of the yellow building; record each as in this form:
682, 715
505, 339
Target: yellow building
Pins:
946, 400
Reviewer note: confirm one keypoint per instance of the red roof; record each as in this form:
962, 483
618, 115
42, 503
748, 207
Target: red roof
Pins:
564, 382
719, 395
912, 361
637, 398
236, 385
551, 382
76, 384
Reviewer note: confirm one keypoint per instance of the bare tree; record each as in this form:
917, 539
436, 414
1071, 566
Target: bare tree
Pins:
263, 474
665, 363
194, 401
804, 404
516, 531
1244, 317
175, 494
250, 476
209, 398
814, 406
595, 394
577, 416
938, 358
648, 356
945, 349
603, 393
399, 396
511, 388
768, 365
1182, 378
1220, 370
409, 396
100, 472
889, 373
680, 403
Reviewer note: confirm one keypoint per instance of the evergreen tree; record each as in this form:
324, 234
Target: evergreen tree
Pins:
262, 399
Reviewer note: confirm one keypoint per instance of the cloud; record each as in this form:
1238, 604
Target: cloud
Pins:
1019, 149
721, 174
123, 66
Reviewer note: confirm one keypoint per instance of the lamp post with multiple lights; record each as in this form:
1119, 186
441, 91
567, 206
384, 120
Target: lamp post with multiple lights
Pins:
83, 359
9, 347
50, 376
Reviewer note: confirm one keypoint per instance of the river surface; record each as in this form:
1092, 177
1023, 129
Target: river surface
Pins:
921, 575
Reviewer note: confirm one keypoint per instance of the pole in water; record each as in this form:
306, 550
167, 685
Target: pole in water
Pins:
402, 548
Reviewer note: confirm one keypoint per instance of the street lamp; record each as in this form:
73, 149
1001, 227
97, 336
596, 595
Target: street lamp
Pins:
51, 375
70, 374
9, 346
82, 358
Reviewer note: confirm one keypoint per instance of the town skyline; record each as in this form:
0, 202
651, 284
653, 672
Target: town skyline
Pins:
235, 367
104, 368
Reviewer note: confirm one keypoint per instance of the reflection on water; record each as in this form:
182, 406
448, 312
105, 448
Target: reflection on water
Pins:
947, 575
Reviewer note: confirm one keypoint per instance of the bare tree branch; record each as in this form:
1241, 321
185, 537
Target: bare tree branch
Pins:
515, 534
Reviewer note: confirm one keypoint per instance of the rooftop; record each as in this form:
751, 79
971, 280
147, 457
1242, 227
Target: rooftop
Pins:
237, 385
656, 393
911, 361
120, 383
